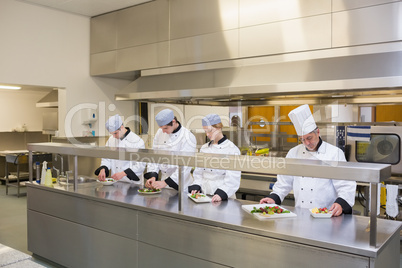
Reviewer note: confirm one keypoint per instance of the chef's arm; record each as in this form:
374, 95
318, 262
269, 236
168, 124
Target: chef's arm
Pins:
281, 189
346, 191
99, 170
231, 184
197, 175
346, 208
131, 175
276, 198
169, 181
136, 169
151, 174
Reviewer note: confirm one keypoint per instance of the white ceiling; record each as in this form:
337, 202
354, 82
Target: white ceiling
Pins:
87, 8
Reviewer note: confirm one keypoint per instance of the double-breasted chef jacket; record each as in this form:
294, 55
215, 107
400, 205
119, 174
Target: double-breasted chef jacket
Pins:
180, 140
316, 192
209, 181
133, 169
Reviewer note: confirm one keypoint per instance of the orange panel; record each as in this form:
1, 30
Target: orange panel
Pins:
258, 113
386, 113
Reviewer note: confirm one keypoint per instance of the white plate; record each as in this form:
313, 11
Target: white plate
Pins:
106, 183
261, 216
321, 215
204, 199
158, 192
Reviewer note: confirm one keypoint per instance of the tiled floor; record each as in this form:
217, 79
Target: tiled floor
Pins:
13, 221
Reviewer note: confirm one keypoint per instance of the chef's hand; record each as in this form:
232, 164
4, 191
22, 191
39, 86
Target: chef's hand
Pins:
119, 175
102, 175
336, 210
216, 198
194, 192
267, 200
149, 182
159, 184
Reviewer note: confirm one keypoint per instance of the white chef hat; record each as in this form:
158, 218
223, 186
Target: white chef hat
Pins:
211, 119
114, 123
164, 117
302, 120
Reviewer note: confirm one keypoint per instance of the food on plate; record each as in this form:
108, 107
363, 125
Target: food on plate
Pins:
107, 180
198, 195
148, 190
320, 210
270, 210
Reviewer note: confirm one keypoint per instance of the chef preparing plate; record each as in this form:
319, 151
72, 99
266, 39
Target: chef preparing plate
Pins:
122, 137
338, 195
222, 184
171, 136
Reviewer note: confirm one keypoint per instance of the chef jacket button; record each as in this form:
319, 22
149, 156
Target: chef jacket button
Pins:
311, 202
302, 189
302, 201
311, 189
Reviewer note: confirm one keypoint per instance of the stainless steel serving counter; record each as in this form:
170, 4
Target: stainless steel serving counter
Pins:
188, 233
343, 240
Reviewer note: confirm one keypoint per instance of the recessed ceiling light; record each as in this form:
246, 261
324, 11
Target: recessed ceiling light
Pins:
10, 87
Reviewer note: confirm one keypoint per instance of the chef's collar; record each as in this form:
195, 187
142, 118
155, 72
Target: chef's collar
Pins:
220, 141
318, 145
178, 128
125, 134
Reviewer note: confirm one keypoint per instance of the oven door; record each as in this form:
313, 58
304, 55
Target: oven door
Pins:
381, 144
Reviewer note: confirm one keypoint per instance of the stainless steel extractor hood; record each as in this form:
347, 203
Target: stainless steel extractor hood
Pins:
51, 100
340, 77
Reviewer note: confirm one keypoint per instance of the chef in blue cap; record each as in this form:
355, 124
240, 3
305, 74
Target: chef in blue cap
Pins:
122, 137
222, 184
171, 136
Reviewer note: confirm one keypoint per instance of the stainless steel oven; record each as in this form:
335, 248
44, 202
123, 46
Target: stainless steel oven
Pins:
375, 144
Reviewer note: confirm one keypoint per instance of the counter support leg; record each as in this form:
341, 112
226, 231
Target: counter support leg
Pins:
30, 162
180, 188
75, 173
373, 214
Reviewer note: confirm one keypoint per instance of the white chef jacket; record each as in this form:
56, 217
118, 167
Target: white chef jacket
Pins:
315, 192
182, 140
131, 140
212, 181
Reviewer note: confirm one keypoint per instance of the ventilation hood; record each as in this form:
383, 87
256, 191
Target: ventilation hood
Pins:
362, 78
51, 100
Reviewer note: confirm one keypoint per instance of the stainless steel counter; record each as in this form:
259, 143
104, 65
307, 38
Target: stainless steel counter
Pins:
164, 222
347, 233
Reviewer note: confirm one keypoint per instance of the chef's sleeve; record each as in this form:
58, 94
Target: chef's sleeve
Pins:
189, 145
153, 168
106, 164
346, 190
197, 183
231, 184
136, 169
282, 188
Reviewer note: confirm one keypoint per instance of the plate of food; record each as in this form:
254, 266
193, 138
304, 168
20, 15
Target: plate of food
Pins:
322, 213
268, 211
149, 191
107, 181
199, 198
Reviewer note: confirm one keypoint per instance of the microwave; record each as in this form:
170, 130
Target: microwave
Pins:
375, 144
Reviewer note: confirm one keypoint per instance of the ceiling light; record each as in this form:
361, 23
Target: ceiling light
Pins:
9, 87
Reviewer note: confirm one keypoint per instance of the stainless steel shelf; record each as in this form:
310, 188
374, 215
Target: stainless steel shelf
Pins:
362, 172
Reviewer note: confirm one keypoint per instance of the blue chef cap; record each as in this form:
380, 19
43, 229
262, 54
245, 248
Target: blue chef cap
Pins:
164, 117
211, 119
114, 123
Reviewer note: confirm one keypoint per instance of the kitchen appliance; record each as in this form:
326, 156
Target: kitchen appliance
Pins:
376, 144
